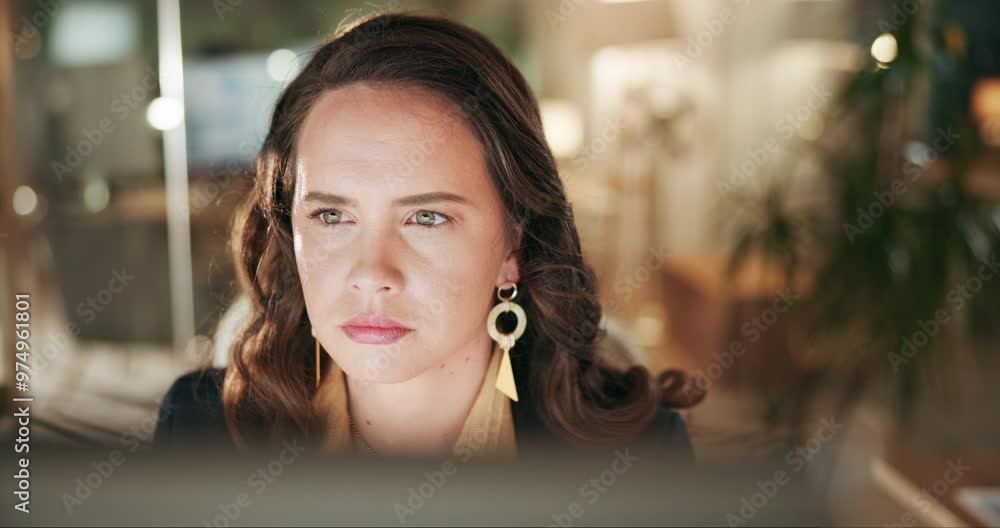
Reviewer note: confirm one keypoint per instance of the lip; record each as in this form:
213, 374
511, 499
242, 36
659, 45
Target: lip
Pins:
374, 329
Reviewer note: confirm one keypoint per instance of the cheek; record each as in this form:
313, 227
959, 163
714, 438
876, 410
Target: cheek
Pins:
315, 248
454, 290
319, 275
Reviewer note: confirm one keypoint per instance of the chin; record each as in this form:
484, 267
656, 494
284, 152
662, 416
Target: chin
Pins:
383, 376
380, 364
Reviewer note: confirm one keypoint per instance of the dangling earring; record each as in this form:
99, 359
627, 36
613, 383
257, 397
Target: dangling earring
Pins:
505, 378
313, 332
317, 363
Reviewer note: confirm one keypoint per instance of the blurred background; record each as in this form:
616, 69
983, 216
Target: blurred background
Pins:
794, 200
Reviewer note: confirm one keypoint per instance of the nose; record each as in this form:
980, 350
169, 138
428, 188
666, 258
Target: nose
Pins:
375, 273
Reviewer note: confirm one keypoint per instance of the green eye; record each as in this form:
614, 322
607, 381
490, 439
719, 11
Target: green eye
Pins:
330, 217
425, 217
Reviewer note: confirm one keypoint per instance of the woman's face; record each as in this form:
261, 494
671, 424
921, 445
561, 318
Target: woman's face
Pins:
394, 218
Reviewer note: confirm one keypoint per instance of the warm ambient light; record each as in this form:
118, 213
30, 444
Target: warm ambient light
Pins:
25, 200
563, 127
985, 108
884, 49
165, 113
96, 194
282, 64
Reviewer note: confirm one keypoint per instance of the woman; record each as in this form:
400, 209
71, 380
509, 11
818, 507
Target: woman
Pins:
415, 276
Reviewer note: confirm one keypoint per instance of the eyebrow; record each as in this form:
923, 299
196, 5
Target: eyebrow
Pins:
416, 199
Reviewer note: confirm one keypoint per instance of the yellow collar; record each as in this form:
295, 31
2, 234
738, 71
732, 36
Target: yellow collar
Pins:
488, 429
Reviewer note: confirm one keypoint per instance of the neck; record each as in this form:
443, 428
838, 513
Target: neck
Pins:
423, 415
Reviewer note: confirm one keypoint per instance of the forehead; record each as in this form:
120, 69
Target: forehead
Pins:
388, 139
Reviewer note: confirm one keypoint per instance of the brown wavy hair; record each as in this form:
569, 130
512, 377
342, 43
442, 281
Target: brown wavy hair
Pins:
576, 394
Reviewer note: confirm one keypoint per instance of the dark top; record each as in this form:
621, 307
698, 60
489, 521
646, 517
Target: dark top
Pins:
191, 414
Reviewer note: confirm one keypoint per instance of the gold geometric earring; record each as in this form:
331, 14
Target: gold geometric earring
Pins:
505, 378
